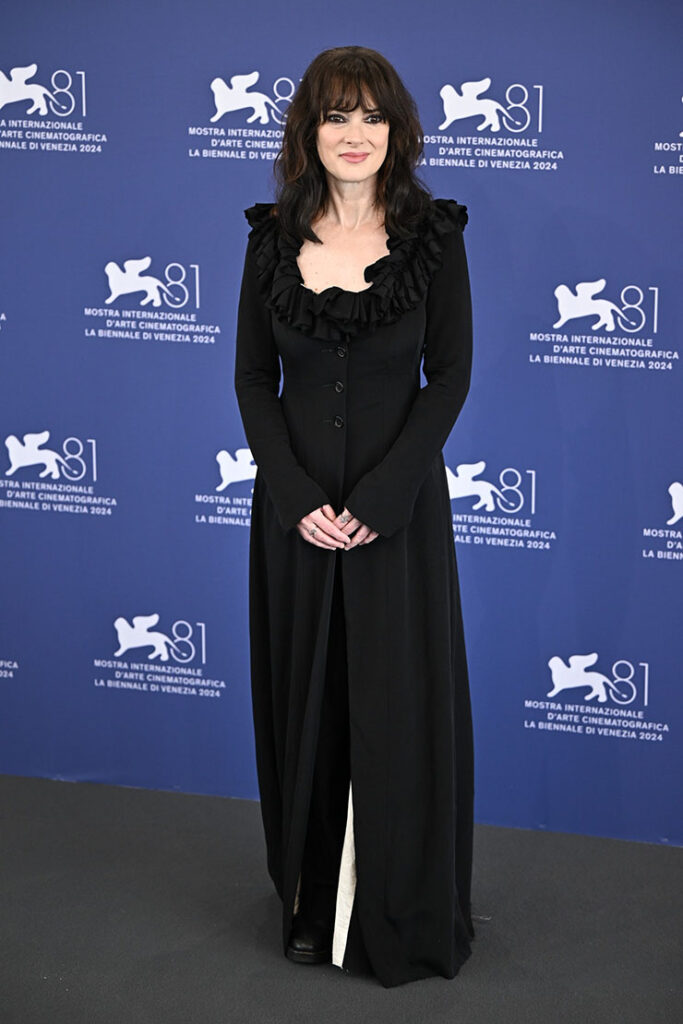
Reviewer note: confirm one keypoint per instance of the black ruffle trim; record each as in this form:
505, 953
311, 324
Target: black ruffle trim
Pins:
399, 280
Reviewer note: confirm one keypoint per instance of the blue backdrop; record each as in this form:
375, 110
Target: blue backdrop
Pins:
131, 139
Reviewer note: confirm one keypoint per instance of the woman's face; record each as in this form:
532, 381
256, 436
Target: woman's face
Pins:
352, 146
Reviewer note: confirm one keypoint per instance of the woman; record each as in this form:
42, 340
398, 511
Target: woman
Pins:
359, 677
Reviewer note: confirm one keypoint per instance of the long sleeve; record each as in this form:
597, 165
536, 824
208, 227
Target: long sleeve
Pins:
257, 380
385, 496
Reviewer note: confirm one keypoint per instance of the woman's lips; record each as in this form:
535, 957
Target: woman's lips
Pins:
354, 158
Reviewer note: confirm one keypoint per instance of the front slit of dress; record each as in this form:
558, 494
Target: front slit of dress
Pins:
335, 687
346, 885
346, 890
297, 813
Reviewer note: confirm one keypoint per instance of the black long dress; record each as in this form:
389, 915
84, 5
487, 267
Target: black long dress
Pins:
352, 426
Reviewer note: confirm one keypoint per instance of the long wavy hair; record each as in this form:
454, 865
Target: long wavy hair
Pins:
342, 79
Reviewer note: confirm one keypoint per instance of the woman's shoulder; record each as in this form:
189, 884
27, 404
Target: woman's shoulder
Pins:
260, 214
446, 214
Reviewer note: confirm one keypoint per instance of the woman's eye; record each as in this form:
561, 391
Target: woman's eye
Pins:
372, 118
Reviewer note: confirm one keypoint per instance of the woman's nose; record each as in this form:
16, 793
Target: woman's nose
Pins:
354, 133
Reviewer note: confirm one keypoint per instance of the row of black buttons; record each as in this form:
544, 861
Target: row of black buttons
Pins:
339, 386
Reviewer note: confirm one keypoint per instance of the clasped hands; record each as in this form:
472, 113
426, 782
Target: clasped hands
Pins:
323, 528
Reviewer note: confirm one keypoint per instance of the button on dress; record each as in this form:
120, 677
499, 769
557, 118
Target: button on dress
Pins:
329, 391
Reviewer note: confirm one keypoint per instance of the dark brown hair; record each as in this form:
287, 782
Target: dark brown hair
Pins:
342, 79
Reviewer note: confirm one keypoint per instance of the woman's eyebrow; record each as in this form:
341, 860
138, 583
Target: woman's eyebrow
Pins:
336, 110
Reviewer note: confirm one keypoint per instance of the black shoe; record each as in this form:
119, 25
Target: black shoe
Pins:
310, 941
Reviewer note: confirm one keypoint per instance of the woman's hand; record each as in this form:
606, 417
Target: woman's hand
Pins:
324, 529
349, 523
320, 528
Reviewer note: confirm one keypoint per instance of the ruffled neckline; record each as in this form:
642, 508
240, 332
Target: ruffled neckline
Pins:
399, 280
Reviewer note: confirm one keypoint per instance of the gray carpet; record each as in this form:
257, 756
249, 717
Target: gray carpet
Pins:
131, 906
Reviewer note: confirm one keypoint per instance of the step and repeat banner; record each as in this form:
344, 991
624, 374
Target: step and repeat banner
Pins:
131, 140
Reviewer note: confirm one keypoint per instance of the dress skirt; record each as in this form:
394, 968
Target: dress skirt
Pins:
327, 882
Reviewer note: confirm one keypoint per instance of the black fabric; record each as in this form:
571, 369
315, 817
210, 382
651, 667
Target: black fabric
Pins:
330, 787
352, 426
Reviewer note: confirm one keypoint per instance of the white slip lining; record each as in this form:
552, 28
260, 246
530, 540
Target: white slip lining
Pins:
346, 890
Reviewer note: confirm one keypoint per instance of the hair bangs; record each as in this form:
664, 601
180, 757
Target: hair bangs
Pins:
349, 89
